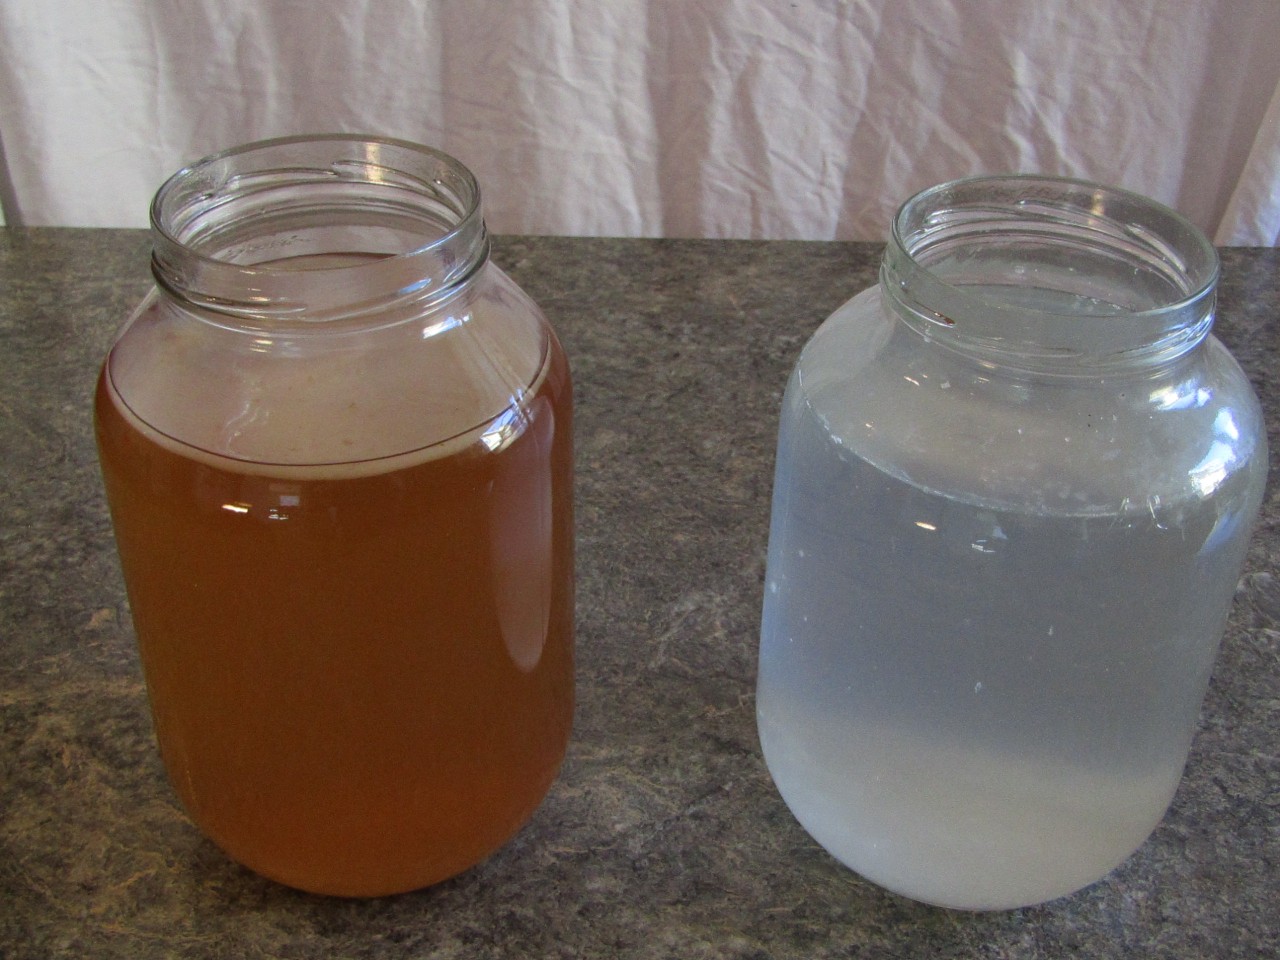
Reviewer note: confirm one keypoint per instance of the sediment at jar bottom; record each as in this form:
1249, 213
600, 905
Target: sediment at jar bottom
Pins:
361, 680
956, 824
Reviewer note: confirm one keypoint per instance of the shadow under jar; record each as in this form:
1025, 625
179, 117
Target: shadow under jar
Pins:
1014, 490
337, 446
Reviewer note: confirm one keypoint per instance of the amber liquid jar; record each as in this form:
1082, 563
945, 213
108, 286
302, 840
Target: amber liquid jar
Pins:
336, 442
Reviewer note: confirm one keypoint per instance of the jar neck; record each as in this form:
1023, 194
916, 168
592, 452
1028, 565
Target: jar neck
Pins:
1050, 275
300, 230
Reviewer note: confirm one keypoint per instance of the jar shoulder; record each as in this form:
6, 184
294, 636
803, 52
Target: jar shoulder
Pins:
386, 385
886, 394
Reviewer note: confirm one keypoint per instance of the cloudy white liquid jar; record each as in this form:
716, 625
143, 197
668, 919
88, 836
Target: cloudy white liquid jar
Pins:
1014, 490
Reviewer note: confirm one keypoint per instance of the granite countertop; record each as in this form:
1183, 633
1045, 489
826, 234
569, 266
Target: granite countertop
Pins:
663, 836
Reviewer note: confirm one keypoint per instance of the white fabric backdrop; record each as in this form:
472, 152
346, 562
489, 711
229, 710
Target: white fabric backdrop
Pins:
721, 118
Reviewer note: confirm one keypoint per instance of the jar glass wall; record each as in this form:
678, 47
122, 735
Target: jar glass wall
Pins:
1014, 490
337, 445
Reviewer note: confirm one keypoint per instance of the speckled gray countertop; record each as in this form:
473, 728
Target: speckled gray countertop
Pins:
664, 836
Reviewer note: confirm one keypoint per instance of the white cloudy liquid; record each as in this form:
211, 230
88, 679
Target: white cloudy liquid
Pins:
974, 704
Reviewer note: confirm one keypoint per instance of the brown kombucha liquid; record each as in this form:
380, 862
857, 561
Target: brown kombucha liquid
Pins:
361, 675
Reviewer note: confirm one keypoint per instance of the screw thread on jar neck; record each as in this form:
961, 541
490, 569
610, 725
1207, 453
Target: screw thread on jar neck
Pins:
298, 230
1050, 275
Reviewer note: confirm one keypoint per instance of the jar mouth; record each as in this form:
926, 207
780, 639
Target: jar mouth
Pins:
317, 227
1035, 269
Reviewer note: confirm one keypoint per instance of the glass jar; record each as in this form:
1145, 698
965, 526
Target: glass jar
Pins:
336, 443
1014, 489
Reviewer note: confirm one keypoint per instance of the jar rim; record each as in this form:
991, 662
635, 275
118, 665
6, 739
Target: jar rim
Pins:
983, 257
207, 217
